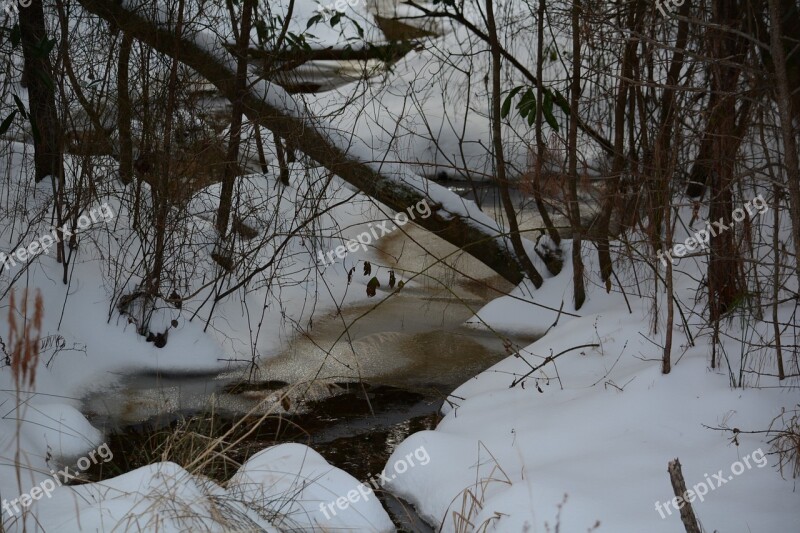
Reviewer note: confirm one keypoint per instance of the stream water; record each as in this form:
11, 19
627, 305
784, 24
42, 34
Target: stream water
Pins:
353, 400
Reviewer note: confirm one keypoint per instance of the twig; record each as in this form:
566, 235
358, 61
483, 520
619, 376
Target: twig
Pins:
549, 359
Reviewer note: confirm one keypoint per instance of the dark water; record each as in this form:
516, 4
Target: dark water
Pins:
356, 431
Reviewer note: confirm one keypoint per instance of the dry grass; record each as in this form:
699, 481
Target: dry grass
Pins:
24, 340
786, 444
22, 355
471, 499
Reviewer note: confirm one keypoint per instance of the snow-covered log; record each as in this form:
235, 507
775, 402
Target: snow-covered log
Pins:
455, 220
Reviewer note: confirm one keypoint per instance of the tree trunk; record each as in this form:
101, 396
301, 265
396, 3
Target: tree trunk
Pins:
499, 157
579, 290
784, 99
232, 157
635, 17
540, 145
163, 172
727, 50
41, 93
124, 114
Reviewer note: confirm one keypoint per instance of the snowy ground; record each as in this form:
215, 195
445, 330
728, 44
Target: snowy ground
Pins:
598, 427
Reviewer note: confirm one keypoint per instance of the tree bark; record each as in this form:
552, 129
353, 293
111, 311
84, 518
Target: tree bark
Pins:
232, 156
41, 93
784, 99
499, 158
124, 114
540, 145
579, 291
679, 489
479, 238
634, 19
727, 51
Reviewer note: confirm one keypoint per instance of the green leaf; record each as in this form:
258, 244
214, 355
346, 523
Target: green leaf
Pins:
507, 102
313, 20
7, 122
335, 19
527, 105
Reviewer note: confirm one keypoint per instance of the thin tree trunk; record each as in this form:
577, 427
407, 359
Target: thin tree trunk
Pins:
724, 285
124, 112
283, 169
540, 145
776, 279
232, 157
162, 171
499, 157
262, 159
572, 171
665, 166
785, 113
635, 16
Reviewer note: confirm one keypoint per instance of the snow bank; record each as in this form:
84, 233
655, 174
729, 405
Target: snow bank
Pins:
296, 484
597, 426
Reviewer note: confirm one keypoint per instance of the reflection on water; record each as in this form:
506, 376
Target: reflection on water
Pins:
408, 342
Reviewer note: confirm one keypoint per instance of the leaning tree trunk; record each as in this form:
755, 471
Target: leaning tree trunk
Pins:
469, 230
665, 157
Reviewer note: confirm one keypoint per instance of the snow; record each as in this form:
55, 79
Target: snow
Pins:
294, 482
157, 497
595, 429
